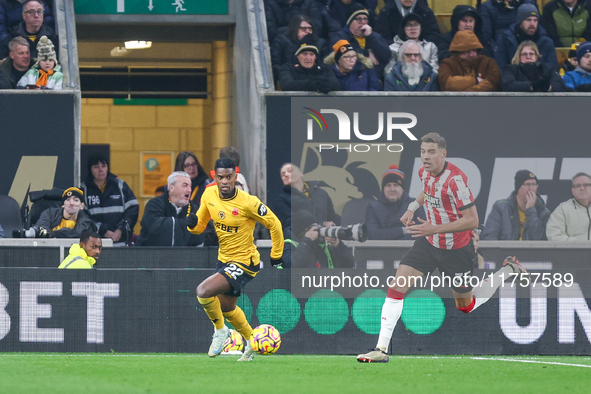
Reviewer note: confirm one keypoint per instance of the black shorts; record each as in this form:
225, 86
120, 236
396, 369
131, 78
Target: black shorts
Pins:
237, 275
451, 262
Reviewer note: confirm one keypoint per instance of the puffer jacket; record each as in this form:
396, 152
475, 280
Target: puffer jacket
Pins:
565, 28
507, 43
55, 81
575, 80
496, 17
570, 221
395, 80
361, 78
502, 222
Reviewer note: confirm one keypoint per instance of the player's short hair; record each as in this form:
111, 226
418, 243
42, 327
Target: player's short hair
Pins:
176, 175
17, 41
225, 163
578, 174
88, 234
229, 152
435, 138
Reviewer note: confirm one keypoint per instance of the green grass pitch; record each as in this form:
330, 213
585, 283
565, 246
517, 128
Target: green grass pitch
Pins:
279, 374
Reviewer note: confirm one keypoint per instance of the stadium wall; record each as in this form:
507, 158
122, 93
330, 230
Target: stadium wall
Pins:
152, 309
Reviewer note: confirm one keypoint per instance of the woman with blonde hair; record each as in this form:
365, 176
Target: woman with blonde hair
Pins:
527, 74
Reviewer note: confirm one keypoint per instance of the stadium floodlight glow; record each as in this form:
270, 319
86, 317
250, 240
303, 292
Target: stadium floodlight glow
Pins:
138, 44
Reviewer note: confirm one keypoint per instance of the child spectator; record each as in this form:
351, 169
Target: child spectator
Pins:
46, 73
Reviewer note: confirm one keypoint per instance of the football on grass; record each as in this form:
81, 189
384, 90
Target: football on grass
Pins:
234, 342
265, 339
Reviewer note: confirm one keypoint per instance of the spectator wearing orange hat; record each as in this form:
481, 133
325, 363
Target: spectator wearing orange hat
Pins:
354, 71
382, 217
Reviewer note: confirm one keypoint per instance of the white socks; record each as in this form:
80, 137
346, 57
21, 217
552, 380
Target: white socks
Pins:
484, 292
391, 312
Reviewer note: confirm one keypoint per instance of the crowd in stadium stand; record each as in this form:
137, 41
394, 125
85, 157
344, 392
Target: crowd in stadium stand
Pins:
27, 46
510, 46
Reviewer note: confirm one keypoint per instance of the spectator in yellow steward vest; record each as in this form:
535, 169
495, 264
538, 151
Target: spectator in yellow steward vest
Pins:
85, 254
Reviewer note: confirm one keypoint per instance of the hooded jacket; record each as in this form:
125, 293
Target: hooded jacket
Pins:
508, 41
382, 217
570, 221
396, 81
361, 78
518, 78
566, 28
502, 222
78, 259
390, 17
457, 74
444, 41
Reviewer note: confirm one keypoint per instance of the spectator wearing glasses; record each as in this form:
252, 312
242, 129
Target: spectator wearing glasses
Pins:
364, 39
336, 12
279, 12
527, 74
411, 28
390, 18
188, 162
522, 216
32, 28
11, 14
354, 71
571, 220
285, 44
411, 73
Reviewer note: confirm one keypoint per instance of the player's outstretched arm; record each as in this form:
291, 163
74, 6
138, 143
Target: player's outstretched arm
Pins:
262, 214
407, 217
468, 221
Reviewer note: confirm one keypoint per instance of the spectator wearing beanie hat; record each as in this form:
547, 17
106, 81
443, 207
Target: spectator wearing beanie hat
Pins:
69, 221
525, 28
522, 216
580, 79
354, 71
46, 73
363, 39
382, 217
305, 72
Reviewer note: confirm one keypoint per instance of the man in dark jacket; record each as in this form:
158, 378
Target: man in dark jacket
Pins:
16, 64
526, 28
390, 17
306, 72
463, 17
167, 217
498, 15
11, 14
309, 250
382, 217
69, 221
336, 13
411, 73
567, 21
32, 28
364, 40
279, 12
522, 216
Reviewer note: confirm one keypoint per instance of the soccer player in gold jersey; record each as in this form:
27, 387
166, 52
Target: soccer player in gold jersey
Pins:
234, 213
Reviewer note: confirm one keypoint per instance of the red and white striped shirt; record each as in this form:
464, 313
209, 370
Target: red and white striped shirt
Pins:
445, 196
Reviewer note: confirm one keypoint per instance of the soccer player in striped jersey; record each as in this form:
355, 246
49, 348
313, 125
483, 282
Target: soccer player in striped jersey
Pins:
234, 213
443, 241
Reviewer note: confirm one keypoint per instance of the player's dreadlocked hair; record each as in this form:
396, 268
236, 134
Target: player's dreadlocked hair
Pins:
224, 163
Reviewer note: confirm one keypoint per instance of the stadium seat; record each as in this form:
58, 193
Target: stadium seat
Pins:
354, 211
43, 199
10, 215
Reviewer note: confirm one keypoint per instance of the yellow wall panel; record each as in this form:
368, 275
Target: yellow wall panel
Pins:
125, 163
133, 116
95, 115
120, 139
179, 116
156, 139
